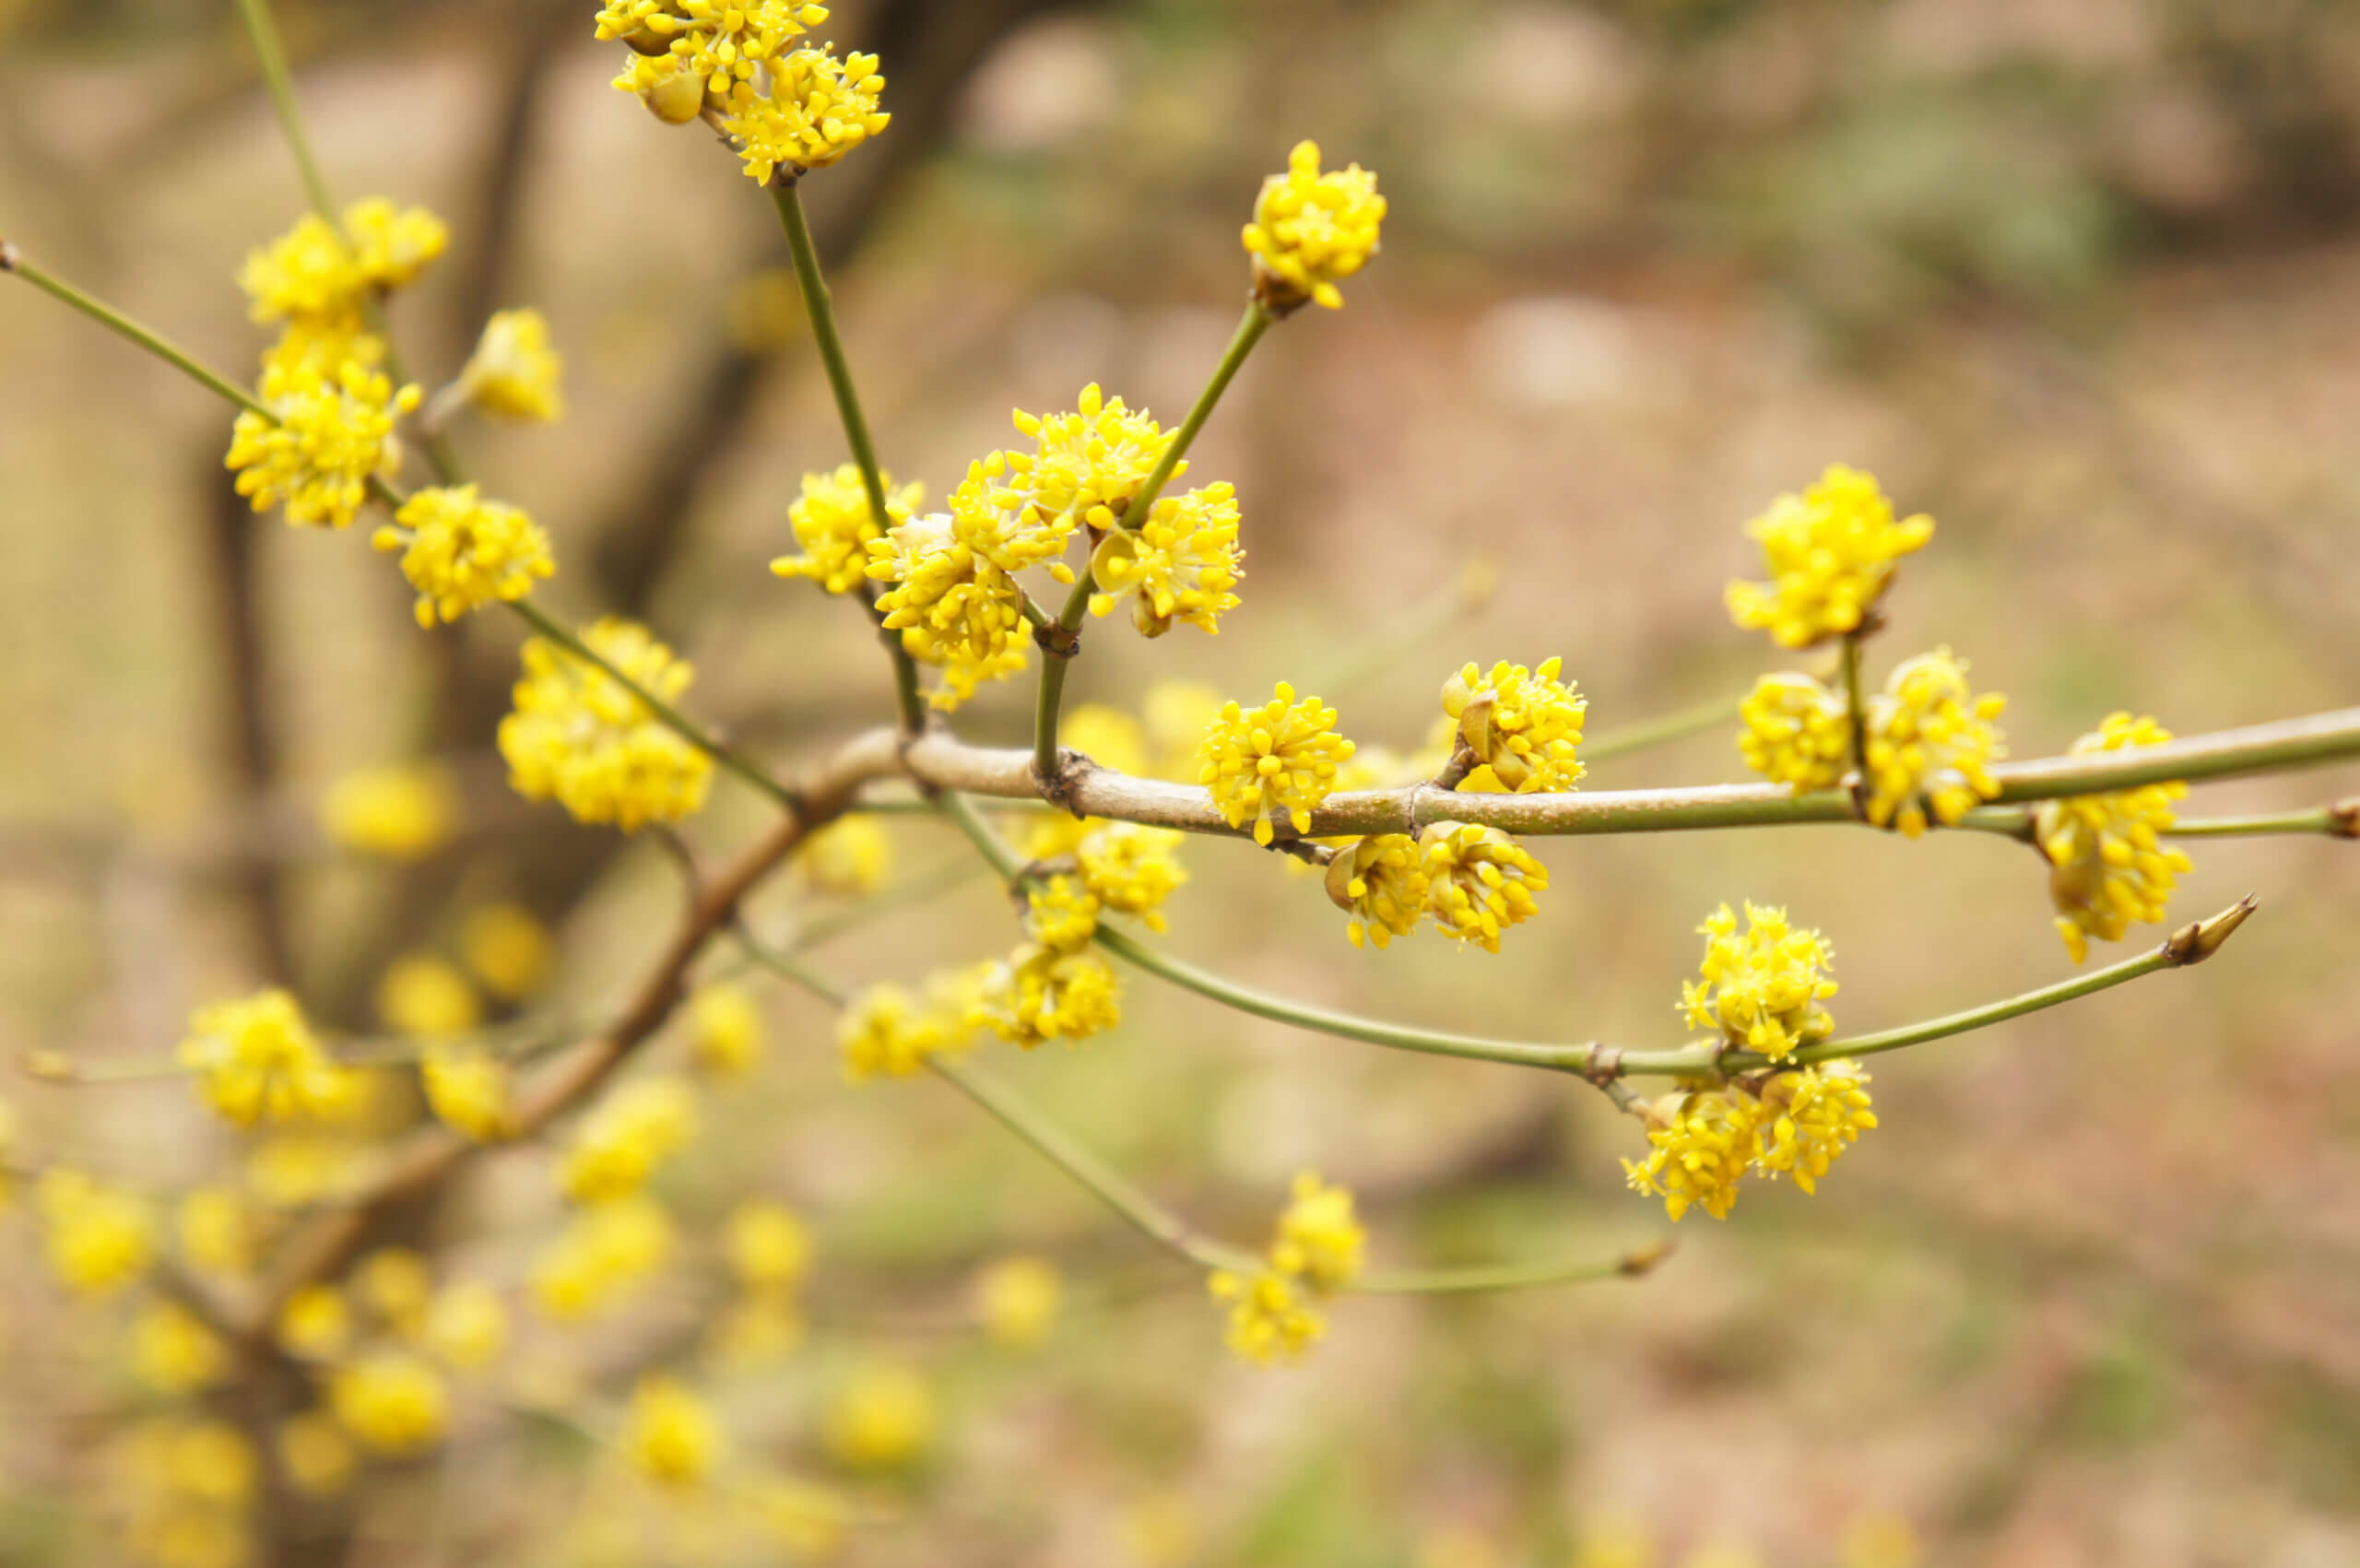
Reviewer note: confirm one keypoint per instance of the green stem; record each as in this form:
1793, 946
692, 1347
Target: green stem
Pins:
1662, 732
1856, 708
115, 321
1373, 1032
786, 966
671, 717
1146, 1216
820, 306
989, 844
1507, 1276
2337, 821
274, 75
1250, 328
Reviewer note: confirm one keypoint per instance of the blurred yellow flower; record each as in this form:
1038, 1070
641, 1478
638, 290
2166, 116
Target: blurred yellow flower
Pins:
424, 997
2108, 867
462, 553
514, 373
391, 1402
881, 1417
1019, 1299
670, 1435
507, 948
583, 738
402, 812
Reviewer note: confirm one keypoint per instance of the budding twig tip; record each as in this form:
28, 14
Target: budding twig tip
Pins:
8, 256
1644, 1260
2199, 941
2342, 817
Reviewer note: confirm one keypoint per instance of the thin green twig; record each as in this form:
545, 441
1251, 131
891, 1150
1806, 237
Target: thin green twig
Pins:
1673, 726
820, 306
281, 83
13, 260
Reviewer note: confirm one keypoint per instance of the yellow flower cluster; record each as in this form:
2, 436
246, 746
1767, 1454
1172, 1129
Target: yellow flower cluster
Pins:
173, 1352
1180, 564
1479, 881
953, 606
466, 1087
391, 1401
514, 373
1131, 870
670, 1435
719, 44
1522, 726
461, 553
507, 948
1279, 758
217, 1233
1702, 1142
583, 738
190, 1482
1055, 986
2107, 863
1830, 552
402, 812
256, 1060
769, 1251
881, 1418
1932, 742
888, 1032
1381, 881
622, 1141
329, 432
1316, 1253
1017, 1299
602, 1251
1794, 731
1311, 229
314, 275
725, 1032
422, 996
833, 522
1086, 468
818, 109
852, 856
1762, 987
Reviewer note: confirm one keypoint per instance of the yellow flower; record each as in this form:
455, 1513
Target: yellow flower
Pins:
850, 856
722, 42
1179, 565
1019, 1298
2107, 863
1085, 468
1830, 552
1109, 737
391, 1402
315, 1324
583, 738
466, 1086
886, 1032
671, 1436
1311, 230
881, 1418
768, 1247
806, 1522
952, 605
1060, 913
204, 1461
396, 1284
1522, 726
1700, 1143
818, 109
324, 345
1761, 989
725, 1032
1795, 732
1319, 1242
1810, 1116
833, 522
1615, 1541
1003, 523
507, 948
314, 1453
605, 1249
331, 432
1131, 870
1480, 881
1282, 757
461, 553
423, 997
312, 272
174, 1351
1381, 881
1040, 993
514, 373
626, 1136
1268, 1322
289, 1171
1930, 744
392, 245
756, 1329
402, 812
467, 1325
216, 1232
257, 1061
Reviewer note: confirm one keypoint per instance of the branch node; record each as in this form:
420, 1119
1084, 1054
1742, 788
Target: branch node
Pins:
1059, 791
2199, 941
1057, 641
1603, 1065
2344, 817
